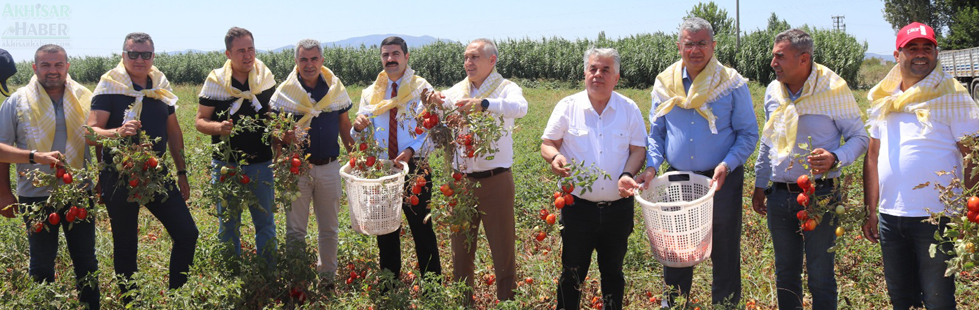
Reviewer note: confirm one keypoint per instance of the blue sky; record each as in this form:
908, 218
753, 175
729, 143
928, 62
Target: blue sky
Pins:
98, 27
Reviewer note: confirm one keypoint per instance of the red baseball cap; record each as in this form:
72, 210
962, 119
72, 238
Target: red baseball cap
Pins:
914, 31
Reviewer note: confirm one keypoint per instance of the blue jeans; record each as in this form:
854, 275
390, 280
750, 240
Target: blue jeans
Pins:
790, 247
262, 215
604, 229
914, 279
81, 247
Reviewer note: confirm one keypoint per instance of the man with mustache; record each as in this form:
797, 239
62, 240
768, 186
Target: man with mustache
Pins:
319, 99
46, 117
390, 105
132, 97
241, 88
917, 117
598, 127
807, 100
702, 120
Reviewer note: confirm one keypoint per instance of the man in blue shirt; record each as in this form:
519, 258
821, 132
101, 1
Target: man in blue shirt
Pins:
702, 120
316, 95
812, 101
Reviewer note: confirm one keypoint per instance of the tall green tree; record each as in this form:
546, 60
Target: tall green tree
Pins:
717, 17
956, 19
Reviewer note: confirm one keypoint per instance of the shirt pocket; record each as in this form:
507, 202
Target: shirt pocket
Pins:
577, 140
722, 108
619, 140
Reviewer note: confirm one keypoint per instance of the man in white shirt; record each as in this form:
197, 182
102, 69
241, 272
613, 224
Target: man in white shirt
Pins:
603, 128
390, 105
485, 90
918, 116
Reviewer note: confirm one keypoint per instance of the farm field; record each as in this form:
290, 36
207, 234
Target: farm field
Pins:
218, 283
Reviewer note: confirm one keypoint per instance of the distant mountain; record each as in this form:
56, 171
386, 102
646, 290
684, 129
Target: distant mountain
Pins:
185, 52
370, 40
879, 56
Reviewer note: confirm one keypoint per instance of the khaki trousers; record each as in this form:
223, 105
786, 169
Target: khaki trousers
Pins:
324, 190
496, 197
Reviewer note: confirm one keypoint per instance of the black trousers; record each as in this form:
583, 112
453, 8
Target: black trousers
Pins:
80, 240
426, 247
605, 229
123, 217
726, 234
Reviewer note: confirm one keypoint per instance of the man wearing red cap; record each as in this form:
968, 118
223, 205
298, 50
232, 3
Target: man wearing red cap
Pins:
918, 116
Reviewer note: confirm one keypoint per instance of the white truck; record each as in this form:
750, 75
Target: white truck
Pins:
963, 65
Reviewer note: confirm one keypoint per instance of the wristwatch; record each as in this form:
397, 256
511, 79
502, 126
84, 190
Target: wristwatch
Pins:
728, 169
485, 104
836, 161
31, 157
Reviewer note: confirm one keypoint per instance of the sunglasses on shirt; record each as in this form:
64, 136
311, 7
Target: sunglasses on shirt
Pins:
135, 54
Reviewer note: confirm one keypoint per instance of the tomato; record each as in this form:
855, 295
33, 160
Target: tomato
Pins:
802, 215
803, 182
803, 199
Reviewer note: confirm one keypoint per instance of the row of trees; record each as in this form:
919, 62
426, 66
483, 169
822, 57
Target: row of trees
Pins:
643, 56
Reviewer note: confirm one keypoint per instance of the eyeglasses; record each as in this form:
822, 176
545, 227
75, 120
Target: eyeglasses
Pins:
135, 54
689, 45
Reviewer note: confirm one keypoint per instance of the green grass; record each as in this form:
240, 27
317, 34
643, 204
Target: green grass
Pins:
212, 286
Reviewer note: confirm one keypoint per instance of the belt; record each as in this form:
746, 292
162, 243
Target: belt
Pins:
793, 188
599, 204
322, 161
488, 173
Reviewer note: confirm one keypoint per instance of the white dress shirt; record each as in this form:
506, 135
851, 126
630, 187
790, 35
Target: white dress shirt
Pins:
511, 105
603, 140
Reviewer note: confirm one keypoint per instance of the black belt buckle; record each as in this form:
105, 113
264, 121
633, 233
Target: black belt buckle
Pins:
603, 204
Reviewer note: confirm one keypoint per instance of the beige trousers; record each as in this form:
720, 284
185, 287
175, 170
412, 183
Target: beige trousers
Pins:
323, 188
496, 197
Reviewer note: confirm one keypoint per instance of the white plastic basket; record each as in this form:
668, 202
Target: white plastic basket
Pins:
375, 204
678, 216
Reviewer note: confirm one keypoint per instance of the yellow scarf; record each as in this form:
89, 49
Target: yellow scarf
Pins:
218, 85
490, 87
292, 97
714, 81
937, 97
37, 110
118, 82
824, 93
407, 92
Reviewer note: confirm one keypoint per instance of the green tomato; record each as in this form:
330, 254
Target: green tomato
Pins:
840, 209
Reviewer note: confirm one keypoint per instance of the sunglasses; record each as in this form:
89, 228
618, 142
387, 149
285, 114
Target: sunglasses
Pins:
135, 54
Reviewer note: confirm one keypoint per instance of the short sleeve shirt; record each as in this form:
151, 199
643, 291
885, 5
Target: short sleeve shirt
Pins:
153, 117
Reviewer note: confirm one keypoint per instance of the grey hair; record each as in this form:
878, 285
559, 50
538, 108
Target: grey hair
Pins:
799, 39
138, 37
602, 52
489, 48
50, 48
695, 24
308, 44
